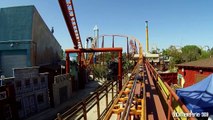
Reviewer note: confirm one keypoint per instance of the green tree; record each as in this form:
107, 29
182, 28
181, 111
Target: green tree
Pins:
174, 54
185, 54
211, 52
205, 54
99, 71
127, 64
155, 51
190, 53
107, 56
62, 54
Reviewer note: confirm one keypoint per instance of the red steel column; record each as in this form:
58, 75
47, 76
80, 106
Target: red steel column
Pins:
80, 71
120, 70
113, 44
67, 63
79, 58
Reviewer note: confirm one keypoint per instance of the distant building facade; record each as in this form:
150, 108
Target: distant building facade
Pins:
62, 88
195, 71
158, 61
31, 89
25, 40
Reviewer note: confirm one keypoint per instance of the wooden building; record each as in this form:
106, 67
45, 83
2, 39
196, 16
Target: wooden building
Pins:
195, 71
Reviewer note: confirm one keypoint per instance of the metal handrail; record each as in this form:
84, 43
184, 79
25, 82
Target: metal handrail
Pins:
91, 101
172, 94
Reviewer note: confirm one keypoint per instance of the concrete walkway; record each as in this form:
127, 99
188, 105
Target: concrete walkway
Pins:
77, 96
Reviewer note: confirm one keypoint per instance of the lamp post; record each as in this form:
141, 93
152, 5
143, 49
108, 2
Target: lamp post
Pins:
96, 42
87, 44
147, 37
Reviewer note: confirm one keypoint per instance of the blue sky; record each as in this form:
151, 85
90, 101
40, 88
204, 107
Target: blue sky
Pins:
171, 22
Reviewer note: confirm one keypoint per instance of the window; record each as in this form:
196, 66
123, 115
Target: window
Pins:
42, 80
40, 99
27, 82
7, 112
19, 105
18, 84
35, 81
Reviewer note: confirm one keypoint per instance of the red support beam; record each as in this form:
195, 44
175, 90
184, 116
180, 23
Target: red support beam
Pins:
94, 50
101, 50
120, 70
79, 58
67, 63
73, 29
80, 71
116, 35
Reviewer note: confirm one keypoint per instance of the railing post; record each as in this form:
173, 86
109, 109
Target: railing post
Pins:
112, 90
106, 96
169, 105
84, 110
98, 105
59, 116
117, 91
120, 70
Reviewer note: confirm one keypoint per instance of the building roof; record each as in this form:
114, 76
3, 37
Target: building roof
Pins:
204, 63
150, 55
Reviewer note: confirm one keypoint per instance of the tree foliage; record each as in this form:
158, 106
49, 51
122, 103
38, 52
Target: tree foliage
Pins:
111, 67
107, 56
99, 71
155, 51
62, 54
190, 53
205, 54
112, 70
174, 54
127, 64
187, 53
211, 52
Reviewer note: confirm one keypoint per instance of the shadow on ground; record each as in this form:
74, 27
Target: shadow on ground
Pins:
76, 97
